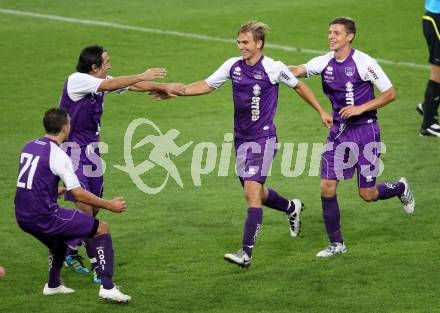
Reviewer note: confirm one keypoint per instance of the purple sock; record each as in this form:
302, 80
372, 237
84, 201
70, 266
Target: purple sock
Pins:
330, 213
251, 228
104, 256
56, 259
277, 202
91, 252
389, 190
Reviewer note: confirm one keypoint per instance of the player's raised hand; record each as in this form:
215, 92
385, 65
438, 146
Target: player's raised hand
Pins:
153, 73
117, 205
327, 119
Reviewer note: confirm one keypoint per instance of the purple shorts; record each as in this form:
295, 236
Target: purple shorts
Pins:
254, 158
65, 224
90, 177
351, 147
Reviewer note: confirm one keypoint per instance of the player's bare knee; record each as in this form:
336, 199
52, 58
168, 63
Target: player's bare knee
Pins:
251, 194
367, 195
103, 228
328, 189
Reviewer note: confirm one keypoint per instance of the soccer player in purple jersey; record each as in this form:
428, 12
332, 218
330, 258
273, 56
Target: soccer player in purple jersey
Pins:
42, 164
255, 80
348, 80
83, 97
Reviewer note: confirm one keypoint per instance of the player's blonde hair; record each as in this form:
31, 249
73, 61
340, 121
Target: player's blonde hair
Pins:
258, 30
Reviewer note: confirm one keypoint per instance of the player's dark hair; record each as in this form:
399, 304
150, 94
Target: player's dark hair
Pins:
258, 30
90, 55
348, 22
54, 120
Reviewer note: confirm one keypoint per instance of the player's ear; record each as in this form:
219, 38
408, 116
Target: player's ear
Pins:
95, 68
350, 37
259, 44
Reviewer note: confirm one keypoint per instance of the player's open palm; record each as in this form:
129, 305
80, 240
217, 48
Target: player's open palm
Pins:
154, 73
117, 205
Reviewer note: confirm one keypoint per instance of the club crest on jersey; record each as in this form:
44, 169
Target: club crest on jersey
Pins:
349, 71
258, 74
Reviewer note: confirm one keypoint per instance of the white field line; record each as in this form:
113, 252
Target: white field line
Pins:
186, 35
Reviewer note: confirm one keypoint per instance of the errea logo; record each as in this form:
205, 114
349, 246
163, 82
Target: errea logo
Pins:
255, 104
329, 70
256, 89
349, 95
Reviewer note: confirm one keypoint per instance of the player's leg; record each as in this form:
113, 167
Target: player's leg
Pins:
292, 208
332, 219
89, 243
271, 198
105, 257
368, 169
77, 224
334, 167
430, 126
253, 162
254, 218
57, 249
73, 259
388, 190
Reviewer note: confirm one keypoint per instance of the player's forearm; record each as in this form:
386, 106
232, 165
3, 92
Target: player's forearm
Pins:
198, 88
380, 101
119, 82
147, 86
306, 93
298, 71
84, 196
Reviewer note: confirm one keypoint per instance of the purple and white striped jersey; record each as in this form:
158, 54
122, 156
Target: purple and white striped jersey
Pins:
255, 93
350, 82
85, 104
42, 165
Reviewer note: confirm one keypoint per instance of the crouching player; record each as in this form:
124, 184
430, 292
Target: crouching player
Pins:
42, 165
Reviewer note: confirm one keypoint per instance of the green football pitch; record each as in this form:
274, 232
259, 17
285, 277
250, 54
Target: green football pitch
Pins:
169, 246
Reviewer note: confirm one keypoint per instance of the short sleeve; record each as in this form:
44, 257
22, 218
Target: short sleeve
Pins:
370, 70
316, 65
278, 72
377, 76
80, 84
61, 166
222, 74
286, 77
